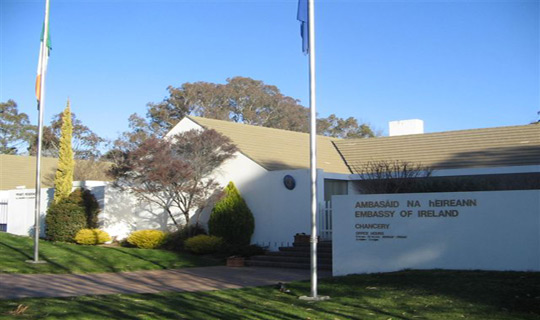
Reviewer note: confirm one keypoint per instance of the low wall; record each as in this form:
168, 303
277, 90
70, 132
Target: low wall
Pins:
497, 230
22, 202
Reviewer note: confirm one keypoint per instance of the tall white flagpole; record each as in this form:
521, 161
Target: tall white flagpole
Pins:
313, 146
41, 107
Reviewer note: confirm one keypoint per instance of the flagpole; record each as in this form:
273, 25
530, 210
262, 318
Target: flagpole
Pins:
313, 146
41, 107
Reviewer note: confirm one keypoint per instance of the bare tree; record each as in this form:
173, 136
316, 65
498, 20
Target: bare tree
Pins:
388, 176
175, 172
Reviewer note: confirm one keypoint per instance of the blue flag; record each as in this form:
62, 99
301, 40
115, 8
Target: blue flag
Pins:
302, 16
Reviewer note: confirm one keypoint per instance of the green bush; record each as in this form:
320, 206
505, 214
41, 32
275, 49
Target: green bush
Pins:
88, 201
231, 218
175, 240
92, 236
64, 220
146, 239
203, 244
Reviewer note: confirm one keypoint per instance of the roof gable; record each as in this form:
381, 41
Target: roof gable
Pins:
16, 170
276, 149
490, 147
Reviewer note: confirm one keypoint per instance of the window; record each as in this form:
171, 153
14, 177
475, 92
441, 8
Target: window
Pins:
335, 187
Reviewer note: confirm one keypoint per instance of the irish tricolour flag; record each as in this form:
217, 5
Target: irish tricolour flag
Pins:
44, 52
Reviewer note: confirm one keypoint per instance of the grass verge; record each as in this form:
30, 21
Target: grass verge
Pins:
433, 294
72, 258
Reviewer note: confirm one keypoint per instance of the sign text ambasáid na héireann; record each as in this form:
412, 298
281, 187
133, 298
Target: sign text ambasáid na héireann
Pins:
433, 208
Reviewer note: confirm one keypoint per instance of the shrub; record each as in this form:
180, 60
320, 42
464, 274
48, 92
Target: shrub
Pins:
231, 218
88, 201
92, 236
175, 240
146, 239
64, 220
203, 244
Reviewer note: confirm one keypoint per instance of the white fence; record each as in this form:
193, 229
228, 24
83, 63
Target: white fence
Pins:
3, 214
324, 220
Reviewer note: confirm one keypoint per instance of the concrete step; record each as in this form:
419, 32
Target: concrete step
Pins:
302, 248
292, 265
320, 244
297, 256
294, 259
327, 255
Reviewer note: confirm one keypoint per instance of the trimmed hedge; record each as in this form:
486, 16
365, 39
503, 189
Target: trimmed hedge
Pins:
203, 244
64, 220
146, 239
92, 236
231, 218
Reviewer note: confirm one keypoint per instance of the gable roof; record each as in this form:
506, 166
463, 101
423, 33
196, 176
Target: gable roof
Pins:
490, 147
18, 170
276, 149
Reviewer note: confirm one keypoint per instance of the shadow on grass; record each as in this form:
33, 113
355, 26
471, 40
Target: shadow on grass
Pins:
503, 291
433, 294
30, 257
70, 258
19, 250
254, 303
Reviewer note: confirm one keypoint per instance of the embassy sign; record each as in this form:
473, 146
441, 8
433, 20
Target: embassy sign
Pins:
437, 208
497, 230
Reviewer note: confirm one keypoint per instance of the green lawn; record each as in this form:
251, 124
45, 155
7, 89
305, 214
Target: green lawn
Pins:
432, 294
72, 258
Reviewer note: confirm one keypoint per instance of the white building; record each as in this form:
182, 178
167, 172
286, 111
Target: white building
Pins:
267, 157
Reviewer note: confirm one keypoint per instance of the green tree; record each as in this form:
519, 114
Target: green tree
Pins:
349, 128
86, 200
231, 218
63, 220
85, 143
15, 128
63, 180
243, 100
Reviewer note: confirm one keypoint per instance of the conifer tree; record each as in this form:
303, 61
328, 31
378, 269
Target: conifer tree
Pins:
63, 180
231, 218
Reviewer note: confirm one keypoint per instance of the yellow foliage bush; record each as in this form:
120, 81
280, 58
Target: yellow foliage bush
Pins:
91, 236
146, 239
203, 244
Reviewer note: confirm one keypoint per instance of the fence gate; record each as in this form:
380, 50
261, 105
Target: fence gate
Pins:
325, 220
3, 214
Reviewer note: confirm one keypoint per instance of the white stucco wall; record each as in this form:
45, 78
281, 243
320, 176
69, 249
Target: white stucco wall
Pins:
183, 125
123, 213
501, 231
279, 213
21, 206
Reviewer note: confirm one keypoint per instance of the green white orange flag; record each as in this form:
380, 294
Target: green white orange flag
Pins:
44, 52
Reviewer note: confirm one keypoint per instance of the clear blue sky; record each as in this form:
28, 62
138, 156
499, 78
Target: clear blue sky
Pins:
454, 64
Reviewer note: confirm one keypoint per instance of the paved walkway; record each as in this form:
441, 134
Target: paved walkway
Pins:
13, 286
